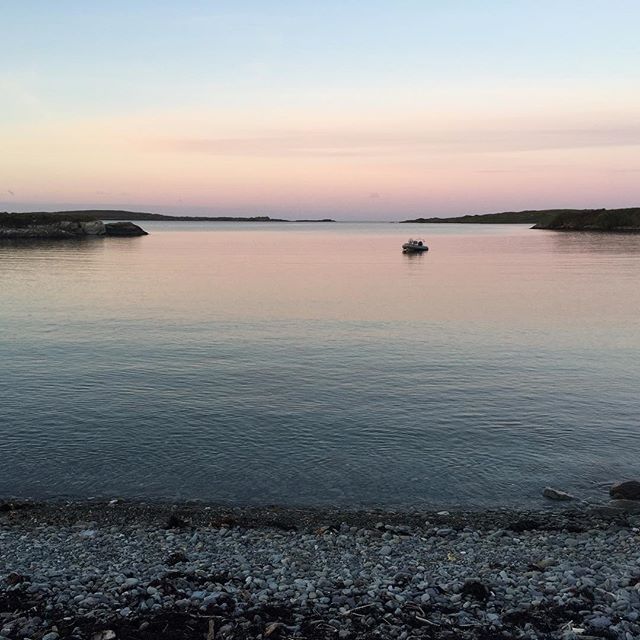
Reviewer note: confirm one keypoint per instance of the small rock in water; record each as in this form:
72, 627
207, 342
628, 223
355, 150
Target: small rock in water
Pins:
629, 490
124, 229
556, 494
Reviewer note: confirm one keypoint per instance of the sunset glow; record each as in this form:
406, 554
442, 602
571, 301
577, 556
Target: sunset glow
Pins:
383, 112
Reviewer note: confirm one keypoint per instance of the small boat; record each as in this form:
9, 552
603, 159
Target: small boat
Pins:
414, 246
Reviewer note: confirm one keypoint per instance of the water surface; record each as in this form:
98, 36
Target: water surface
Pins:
316, 364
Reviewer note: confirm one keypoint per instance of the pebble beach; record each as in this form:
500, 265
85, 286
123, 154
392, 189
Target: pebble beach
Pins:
108, 570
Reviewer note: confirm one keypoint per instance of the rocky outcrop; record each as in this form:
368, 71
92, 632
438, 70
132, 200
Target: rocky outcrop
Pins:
93, 228
556, 494
58, 229
629, 490
46, 225
124, 229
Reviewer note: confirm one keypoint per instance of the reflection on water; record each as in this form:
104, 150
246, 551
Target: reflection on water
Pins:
317, 364
619, 244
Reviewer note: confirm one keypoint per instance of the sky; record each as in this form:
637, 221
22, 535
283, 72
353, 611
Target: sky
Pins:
353, 109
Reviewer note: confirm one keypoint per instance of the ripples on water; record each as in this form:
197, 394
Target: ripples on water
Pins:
318, 365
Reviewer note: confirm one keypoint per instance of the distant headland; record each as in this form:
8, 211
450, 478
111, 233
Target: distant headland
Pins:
506, 217
555, 219
108, 214
91, 222
116, 214
593, 220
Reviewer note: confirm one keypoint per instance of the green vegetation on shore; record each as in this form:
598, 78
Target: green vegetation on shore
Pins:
560, 219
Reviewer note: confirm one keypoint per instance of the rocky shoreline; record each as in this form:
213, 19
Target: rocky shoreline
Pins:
51, 227
108, 570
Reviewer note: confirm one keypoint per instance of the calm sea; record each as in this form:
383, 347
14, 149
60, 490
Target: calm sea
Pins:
316, 364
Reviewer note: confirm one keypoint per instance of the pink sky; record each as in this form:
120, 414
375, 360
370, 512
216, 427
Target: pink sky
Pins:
386, 114
383, 166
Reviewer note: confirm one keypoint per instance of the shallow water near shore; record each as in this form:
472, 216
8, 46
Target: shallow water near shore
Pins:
316, 365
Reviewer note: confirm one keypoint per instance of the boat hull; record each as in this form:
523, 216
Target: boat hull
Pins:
414, 249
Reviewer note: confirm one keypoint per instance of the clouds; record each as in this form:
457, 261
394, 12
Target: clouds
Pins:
332, 163
397, 144
328, 108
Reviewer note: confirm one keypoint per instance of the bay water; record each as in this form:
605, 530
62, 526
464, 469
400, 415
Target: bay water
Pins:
315, 364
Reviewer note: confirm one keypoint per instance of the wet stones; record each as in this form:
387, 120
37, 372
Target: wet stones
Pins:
556, 494
476, 589
628, 490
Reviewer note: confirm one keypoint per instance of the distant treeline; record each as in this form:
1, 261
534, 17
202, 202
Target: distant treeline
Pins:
569, 219
47, 217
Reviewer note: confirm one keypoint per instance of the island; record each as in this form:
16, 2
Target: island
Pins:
115, 214
118, 214
44, 225
555, 219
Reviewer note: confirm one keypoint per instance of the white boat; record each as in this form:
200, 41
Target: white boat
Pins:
414, 246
